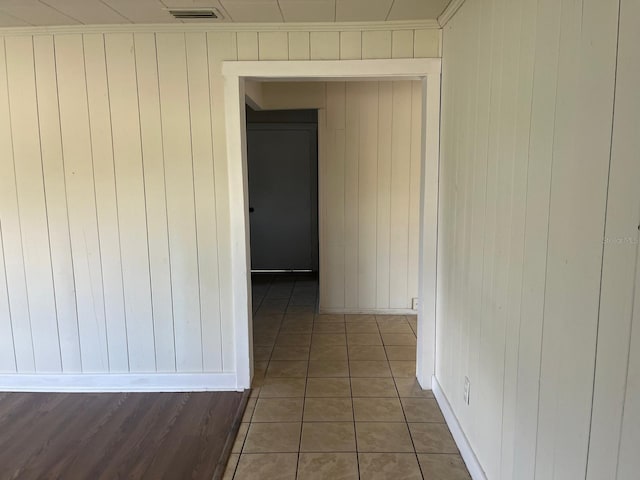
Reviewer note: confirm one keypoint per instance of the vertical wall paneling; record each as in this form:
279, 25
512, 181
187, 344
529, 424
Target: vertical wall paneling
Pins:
507, 242
527, 102
55, 193
558, 297
323, 148
490, 358
616, 403
156, 200
359, 250
402, 44
376, 44
204, 185
479, 109
222, 46
576, 218
273, 45
536, 234
383, 220
174, 98
351, 194
114, 194
248, 46
628, 461
7, 351
132, 216
34, 232
427, 43
414, 189
332, 179
526, 11
400, 165
350, 45
325, 45
457, 233
299, 47
367, 195
100, 123
11, 243
80, 181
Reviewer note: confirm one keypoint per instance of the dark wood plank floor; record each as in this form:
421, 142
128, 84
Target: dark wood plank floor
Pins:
115, 435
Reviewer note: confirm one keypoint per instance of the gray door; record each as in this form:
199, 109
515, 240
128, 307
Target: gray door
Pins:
282, 174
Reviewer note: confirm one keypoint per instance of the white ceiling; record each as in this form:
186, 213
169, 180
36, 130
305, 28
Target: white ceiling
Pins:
73, 12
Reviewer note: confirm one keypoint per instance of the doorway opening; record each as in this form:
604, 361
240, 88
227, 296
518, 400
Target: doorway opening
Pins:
282, 171
239, 75
282, 158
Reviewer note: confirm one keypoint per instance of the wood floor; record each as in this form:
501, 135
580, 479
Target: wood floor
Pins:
119, 435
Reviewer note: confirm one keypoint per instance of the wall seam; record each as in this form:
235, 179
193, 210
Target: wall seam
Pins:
166, 208
146, 213
66, 204
193, 184
215, 199
95, 197
15, 181
602, 255
46, 208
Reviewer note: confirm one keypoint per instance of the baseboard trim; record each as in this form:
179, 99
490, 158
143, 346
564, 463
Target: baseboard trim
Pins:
151, 382
468, 455
369, 311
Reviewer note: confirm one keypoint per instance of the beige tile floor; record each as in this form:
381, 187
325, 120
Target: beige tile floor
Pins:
335, 396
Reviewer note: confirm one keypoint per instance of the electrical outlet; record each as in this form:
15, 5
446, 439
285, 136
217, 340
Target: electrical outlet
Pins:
467, 387
414, 304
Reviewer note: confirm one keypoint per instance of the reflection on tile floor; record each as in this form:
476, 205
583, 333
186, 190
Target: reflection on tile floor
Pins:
335, 396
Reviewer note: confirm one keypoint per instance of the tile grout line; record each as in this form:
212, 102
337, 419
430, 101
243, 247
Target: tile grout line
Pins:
250, 422
244, 441
301, 290
353, 409
306, 378
415, 453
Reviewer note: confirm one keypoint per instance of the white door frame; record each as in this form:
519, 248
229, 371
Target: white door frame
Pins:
235, 74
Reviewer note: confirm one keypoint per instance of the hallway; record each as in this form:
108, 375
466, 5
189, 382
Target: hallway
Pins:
335, 396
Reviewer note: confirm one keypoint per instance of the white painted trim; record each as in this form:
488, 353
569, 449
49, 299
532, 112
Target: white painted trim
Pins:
468, 455
428, 251
449, 12
226, 27
235, 74
403, 69
369, 311
235, 123
109, 382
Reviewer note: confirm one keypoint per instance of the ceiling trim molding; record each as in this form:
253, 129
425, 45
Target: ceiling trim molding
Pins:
225, 27
449, 12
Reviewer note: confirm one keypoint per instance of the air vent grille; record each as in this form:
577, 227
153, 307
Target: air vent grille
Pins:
193, 14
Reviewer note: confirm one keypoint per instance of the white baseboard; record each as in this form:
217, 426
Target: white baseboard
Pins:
425, 380
369, 311
138, 382
468, 455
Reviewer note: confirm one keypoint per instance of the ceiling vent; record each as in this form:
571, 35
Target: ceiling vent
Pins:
195, 13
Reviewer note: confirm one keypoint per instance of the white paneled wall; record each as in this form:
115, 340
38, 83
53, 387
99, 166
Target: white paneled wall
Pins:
114, 210
615, 429
106, 271
534, 167
369, 196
